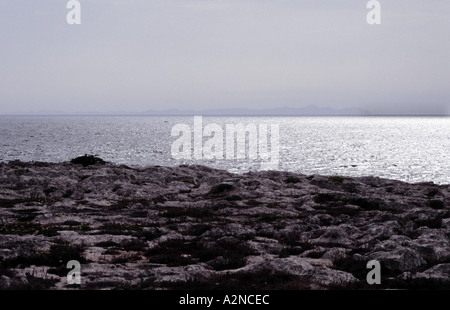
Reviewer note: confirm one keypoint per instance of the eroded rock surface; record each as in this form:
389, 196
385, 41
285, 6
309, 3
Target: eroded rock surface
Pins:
194, 227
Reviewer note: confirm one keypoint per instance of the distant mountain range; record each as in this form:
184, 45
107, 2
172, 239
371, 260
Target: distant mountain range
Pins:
310, 110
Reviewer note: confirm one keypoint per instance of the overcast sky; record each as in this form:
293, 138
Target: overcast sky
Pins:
134, 55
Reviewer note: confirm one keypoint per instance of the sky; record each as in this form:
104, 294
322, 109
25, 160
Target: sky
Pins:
137, 55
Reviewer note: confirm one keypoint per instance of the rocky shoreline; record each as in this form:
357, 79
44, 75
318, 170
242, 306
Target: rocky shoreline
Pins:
193, 227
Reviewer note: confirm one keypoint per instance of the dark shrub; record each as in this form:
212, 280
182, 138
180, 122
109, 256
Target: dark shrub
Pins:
36, 283
188, 212
61, 253
264, 279
173, 252
336, 180
437, 204
179, 252
58, 256
220, 189
292, 180
234, 198
27, 228
113, 228
133, 245
106, 244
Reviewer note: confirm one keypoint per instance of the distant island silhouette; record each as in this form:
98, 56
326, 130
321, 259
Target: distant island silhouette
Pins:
310, 110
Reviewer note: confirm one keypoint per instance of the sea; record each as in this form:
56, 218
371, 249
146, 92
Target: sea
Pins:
411, 149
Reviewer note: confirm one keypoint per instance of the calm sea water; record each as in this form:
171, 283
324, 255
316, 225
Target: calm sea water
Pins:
412, 149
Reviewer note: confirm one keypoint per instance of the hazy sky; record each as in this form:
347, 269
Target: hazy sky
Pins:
135, 55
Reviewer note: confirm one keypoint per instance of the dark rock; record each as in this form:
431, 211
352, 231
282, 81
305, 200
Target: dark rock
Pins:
87, 160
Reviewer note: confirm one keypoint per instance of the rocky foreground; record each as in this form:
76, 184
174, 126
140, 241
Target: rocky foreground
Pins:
192, 227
